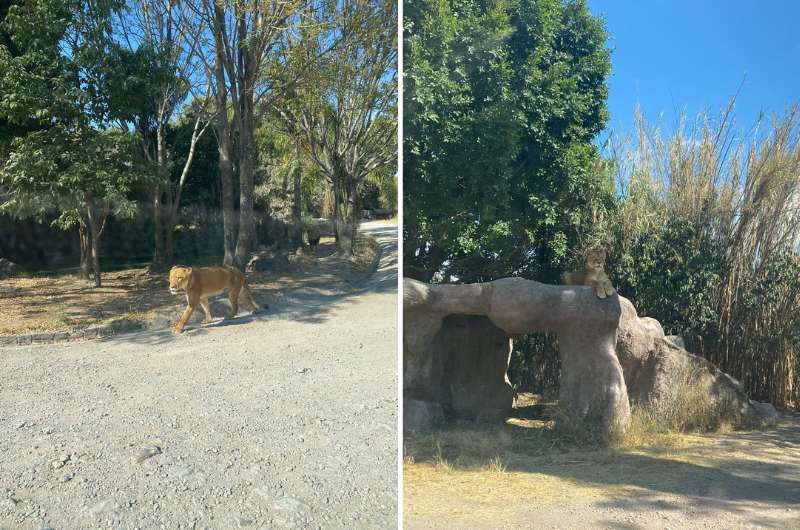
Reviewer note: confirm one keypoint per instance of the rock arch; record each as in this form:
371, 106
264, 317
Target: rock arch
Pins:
592, 378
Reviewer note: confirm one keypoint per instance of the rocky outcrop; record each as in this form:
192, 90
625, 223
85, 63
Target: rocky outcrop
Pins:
8, 268
456, 352
274, 261
657, 369
444, 358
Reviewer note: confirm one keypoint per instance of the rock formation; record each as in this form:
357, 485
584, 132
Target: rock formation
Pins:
456, 352
656, 367
444, 360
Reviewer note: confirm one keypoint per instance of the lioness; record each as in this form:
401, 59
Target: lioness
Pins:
594, 275
202, 282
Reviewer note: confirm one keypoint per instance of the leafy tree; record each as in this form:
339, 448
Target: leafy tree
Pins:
83, 174
670, 273
343, 108
153, 68
72, 166
245, 35
502, 102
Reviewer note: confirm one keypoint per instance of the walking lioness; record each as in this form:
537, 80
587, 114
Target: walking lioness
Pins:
202, 282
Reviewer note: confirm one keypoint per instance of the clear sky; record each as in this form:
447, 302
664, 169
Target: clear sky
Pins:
689, 55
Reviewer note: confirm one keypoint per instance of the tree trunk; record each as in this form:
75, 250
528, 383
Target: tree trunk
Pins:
168, 226
173, 208
94, 238
86, 251
346, 214
352, 218
297, 221
337, 210
247, 158
226, 177
224, 140
158, 229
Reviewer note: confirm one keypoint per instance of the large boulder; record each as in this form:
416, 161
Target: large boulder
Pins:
442, 355
8, 268
456, 352
274, 261
658, 370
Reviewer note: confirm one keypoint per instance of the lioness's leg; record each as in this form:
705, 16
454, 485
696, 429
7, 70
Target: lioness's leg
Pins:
609, 288
184, 318
599, 289
233, 296
206, 310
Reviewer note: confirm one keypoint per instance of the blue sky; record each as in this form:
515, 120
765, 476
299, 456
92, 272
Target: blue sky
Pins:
689, 55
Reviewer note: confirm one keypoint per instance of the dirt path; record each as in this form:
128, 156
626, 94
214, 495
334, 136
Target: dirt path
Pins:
736, 480
286, 419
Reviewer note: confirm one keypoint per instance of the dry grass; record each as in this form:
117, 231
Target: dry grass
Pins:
133, 296
740, 186
466, 471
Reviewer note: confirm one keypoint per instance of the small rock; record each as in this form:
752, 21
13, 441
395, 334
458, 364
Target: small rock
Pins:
104, 506
67, 477
8, 268
148, 451
304, 370
241, 522
57, 464
290, 504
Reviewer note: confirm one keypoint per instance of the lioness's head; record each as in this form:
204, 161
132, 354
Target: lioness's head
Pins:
178, 278
595, 259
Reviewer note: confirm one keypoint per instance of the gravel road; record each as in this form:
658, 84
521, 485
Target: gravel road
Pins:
286, 419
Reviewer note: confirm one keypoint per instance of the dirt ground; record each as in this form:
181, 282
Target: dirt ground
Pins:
514, 476
284, 419
139, 297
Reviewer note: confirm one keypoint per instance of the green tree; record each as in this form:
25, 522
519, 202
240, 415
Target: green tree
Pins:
74, 166
83, 174
502, 101
343, 109
153, 68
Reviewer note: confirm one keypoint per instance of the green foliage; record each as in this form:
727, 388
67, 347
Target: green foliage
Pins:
705, 240
502, 101
65, 171
670, 273
282, 159
535, 365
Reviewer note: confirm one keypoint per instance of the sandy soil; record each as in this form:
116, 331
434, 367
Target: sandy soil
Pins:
722, 481
286, 419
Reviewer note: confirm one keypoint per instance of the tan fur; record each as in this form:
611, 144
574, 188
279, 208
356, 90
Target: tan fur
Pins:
594, 275
202, 282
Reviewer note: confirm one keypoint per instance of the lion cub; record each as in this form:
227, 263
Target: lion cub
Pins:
593, 275
200, 283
